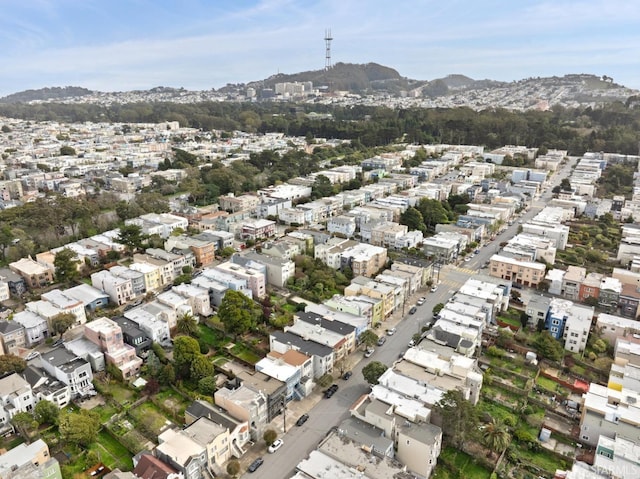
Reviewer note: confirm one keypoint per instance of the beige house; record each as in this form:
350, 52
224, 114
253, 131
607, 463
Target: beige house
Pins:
35, 274
418, 447
526, 273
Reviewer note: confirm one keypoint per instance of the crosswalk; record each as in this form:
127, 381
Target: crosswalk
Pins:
465, 270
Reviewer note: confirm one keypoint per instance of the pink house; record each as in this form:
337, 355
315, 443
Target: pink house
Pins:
108, 335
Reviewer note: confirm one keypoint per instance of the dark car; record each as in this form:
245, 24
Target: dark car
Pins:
331, 391
347, 375
302, 419
413, 310
255, 465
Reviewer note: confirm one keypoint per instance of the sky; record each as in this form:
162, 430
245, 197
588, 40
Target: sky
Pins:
120, 45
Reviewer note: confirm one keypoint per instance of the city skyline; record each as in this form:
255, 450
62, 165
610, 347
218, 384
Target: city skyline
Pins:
123, 45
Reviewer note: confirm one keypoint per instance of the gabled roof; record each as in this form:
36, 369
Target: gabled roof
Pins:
150, 467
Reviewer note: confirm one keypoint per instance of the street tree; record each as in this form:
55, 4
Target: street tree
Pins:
368, 338
80, 428
66, 265
233, 468
270, 436
62, 322
45, 412
459, 416
437, 308
373, 371
238, 313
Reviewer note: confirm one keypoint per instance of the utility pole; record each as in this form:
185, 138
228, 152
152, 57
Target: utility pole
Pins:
284, 414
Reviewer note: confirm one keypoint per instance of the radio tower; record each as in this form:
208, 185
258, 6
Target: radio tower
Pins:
327, 42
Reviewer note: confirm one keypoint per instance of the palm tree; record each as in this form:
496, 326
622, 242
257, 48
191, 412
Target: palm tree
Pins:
496, 436
187, 324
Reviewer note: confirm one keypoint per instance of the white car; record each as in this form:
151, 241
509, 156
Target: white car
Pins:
277, 444
32, 355
434, 288
391, 332
369, 352
421, 301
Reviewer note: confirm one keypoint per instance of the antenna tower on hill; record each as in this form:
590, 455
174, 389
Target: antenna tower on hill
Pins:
327, 42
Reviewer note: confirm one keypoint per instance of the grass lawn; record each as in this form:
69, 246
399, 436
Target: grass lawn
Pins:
111, 452
548, 462
149, 417
289, 307
548, 384
120, 393
106, 412
464, 464
511, 321
244, 353
214, 338
494, 410
220, 361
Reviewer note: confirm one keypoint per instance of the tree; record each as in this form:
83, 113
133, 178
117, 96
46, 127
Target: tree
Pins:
495, 436
368, 338
565, 184
201, 367
187, 324
62, 322
80, 428
167, 374
11, 363
321, 187
433, 213
131, 236
412, 218
437, 308
270, 436
373, 371
238, 313
548, 347
458, 415
45, 412
152, 387
185, 350
25, 424
66, 265
233, 468
207, 385
6, 239
67, 151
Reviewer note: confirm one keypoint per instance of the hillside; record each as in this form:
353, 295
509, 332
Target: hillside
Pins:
46, 94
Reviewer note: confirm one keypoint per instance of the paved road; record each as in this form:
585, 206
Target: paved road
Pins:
328, 413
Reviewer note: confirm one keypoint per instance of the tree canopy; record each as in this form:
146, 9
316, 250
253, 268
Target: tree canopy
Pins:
459, 416
80, 428
373, 371
238, 313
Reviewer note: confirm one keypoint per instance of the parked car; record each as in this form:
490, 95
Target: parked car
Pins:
57, 342
331, 391
391, 332
477, 251
255, 465
434, 288
369, 352
381, 341
413, 310
421, 301
412, 343
32, 355
277, 444
347, 375
302, 419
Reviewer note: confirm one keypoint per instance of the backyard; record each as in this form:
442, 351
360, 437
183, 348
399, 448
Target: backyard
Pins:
459, 465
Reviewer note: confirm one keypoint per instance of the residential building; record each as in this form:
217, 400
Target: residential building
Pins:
150, 467
537, 310
273, 389
244, 404
629, 301
572, 282
526, 273
257, 229
255, 280
29, 461
364, 260
570, 323
611, 327
107, 334
134, 336
12, 336
44, 387
162, 224
590, 287
418, 447
92, 298
16, 283
119, 289
322, 355
182, 453
36, 328
203, 249
73, 371
215, 440
233, 204
278, 270
15, 397
238, 430
35, 275
198, 298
